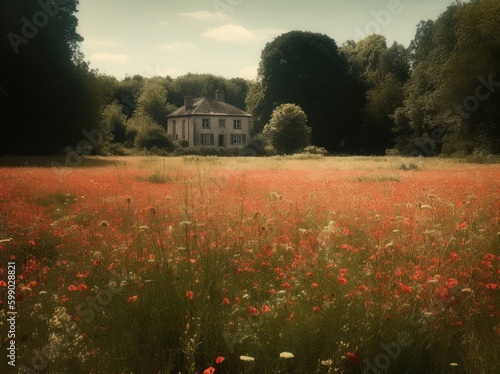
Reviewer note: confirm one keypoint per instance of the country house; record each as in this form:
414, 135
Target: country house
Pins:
210, 122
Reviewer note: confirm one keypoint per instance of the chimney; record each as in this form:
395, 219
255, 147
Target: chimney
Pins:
219, 96
188, 102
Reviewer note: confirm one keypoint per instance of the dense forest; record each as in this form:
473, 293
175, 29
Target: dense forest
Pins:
439, 95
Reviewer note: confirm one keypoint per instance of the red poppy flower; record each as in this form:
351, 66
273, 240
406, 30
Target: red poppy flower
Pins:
492, 286
73, 288
316, 309
265, 309
314, 284
190, 295
226, 301
82, 287
2, 283
219, 360
132, 299
253, 311
209, 370
97, 262
342, 280
351, 357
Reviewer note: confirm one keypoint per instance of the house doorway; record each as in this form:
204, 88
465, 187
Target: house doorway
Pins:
221, 140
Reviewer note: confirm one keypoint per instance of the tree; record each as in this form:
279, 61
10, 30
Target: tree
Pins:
205, 85
287, 130
114, 122
451, 100
380, 73
152, 101
52, 93
306, 68
255, 104
421, 114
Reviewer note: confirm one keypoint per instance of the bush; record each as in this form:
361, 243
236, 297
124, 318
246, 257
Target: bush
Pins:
392, 152
314, 150
479, 157
154, 136
456, 146
287, 130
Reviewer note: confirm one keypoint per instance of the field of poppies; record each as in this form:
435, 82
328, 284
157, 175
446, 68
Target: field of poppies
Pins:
240, 265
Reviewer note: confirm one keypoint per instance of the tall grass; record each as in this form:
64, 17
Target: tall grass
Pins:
219, 260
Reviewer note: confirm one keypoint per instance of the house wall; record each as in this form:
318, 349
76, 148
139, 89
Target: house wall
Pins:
194, 129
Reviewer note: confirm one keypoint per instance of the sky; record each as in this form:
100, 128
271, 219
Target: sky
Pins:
226, 37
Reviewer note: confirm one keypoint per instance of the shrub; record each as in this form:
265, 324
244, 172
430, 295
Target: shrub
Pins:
287, 130
315, 150
154, 136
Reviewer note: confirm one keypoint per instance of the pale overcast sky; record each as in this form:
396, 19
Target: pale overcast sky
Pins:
226, 37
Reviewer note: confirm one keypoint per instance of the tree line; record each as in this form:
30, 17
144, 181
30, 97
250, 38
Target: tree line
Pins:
439, 95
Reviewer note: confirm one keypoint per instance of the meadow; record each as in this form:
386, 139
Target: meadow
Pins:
252, 265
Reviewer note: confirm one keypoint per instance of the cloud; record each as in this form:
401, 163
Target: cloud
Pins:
248, 72
236, 33
176, 46
109, 57
204, 15
229, 33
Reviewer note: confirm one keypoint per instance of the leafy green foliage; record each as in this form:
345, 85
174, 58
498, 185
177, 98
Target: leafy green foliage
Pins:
307, 69
152, 100
114, 121
51, 93
381, 72
451, 100
154, 136
205, 85
287, 130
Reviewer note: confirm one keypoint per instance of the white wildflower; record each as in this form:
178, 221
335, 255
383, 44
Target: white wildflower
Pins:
286, 355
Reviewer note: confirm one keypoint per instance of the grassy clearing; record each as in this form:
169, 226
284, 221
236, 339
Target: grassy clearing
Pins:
171, 265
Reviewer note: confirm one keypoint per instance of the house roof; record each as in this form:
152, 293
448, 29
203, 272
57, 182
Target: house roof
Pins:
209, 107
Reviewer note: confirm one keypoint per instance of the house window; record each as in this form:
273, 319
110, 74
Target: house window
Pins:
183, 129
238, 139
205, 123
207, 139
222, 123
237, 124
